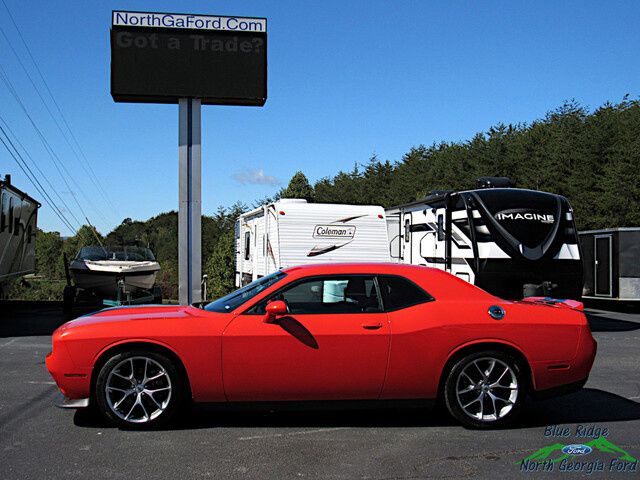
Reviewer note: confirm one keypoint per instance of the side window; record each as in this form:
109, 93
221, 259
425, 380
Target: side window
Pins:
247, 245
398, 292
3, 213
328, 295
421, 227
440, 228
407, 230
10, 214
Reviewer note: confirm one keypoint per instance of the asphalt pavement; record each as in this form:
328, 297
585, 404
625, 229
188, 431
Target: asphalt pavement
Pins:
38, 440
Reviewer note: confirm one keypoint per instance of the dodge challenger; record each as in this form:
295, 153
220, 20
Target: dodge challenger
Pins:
326, 333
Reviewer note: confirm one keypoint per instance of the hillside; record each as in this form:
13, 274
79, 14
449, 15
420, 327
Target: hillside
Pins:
593, 158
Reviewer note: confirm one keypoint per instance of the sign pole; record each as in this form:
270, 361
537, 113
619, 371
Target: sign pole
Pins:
227, 65
190, 210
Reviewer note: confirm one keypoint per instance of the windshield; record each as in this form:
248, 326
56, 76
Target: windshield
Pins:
230, 302
135, 254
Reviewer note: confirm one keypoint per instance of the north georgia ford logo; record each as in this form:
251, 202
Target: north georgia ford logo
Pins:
577, 449
524, 214
334, 231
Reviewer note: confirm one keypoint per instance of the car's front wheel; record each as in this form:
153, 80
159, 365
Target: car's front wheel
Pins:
485, 389
138, 389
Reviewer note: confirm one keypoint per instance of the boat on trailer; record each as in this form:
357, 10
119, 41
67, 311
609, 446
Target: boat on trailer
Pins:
118, 275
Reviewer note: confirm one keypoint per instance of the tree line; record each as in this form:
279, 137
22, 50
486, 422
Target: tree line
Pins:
592, 158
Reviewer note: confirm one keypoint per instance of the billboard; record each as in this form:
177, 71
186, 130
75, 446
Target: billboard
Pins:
162, 57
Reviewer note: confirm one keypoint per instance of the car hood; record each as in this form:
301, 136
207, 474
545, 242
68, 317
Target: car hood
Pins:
119, 314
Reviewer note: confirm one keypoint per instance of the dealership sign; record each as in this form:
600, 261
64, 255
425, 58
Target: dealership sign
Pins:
162, 57
191, 60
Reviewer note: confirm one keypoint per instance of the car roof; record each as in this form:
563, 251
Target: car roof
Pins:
362, 267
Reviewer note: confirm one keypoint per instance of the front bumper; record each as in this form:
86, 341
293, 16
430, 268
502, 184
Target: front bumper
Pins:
65, 402
73, 382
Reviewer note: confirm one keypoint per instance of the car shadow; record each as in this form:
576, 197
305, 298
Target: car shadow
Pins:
613, 305
586, 406
602, 322
298, 331
36, 318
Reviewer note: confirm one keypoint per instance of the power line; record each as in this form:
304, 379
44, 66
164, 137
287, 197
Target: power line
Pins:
91, 173
58, 164
46, 107
41, 189
29, 174
36, 184
35, 165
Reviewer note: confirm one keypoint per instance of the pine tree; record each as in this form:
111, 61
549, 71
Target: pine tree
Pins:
298, 187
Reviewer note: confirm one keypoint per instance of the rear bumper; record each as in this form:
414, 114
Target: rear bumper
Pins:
565, 377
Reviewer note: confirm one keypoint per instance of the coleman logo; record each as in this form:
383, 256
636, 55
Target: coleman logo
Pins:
526, 215
334, 231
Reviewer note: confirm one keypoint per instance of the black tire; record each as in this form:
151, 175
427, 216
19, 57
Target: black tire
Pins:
483, 396
167, 402
68, 299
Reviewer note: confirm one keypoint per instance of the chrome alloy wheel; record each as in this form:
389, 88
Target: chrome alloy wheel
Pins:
487, 389
138, 389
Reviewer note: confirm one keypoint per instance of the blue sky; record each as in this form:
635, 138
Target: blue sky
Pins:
347, 79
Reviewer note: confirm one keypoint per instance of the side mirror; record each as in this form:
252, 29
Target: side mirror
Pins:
274, 309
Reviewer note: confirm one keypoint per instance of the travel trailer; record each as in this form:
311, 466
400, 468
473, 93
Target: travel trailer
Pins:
293, 232
511, 242
611, 264
18, 220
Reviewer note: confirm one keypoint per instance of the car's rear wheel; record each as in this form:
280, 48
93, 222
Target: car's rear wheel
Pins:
138, 389
485, 389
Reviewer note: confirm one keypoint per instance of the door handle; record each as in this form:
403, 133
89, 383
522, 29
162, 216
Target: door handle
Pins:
371, 326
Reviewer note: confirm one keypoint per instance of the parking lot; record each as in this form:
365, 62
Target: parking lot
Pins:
38, 440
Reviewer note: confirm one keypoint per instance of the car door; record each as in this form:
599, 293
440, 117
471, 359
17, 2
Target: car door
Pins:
333, 344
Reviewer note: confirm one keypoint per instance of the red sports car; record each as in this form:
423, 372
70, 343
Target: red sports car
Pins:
327, 332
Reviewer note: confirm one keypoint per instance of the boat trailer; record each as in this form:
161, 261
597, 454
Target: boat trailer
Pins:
73, 295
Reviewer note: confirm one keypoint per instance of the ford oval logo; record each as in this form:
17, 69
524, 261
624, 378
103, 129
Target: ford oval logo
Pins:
577, 449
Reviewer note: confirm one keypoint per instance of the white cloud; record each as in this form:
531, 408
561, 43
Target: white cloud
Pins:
255, 177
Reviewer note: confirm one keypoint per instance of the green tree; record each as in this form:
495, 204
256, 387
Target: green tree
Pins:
593, 158
49, 263
298, 187
220, 266
220, 262
85, 236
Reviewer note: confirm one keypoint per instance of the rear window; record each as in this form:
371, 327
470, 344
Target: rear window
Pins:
398, 292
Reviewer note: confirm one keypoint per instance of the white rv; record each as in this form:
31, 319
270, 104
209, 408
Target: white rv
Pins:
293, 232
509, 241
18, 217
